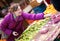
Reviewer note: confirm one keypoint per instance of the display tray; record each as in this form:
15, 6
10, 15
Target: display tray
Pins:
32, 30
51, 35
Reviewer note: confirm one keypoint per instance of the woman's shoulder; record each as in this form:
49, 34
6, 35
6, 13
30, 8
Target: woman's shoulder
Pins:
8, 16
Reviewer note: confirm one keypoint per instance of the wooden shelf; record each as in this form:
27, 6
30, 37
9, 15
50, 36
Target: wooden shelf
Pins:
27, 9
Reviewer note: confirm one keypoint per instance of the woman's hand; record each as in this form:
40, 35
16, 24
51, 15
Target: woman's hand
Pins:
15, 33
47, 15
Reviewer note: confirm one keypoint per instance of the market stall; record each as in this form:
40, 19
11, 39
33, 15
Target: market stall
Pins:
42, 30
32, 30
52, 32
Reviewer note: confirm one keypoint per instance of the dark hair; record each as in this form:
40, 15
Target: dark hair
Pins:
56, 4
13, 7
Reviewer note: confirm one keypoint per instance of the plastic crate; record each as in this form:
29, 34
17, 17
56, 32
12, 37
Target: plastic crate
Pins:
39, 9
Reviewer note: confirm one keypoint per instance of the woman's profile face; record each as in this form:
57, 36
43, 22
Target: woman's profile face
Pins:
18, 11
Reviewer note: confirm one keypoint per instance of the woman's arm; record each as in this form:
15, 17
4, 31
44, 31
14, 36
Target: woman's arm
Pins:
4, 25
33, 16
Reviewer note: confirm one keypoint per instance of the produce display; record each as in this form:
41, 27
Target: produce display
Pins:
44, 30
48, 32
50, 9
31, 31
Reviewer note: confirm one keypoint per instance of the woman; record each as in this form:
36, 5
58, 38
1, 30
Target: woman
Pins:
12, 25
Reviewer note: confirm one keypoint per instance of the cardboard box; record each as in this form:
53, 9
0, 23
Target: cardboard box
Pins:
34, 3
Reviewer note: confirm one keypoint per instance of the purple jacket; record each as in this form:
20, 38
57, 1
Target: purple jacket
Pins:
8, 24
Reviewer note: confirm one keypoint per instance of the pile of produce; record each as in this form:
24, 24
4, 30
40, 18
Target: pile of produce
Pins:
50, 9
31, 31
48, 33
55, 18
